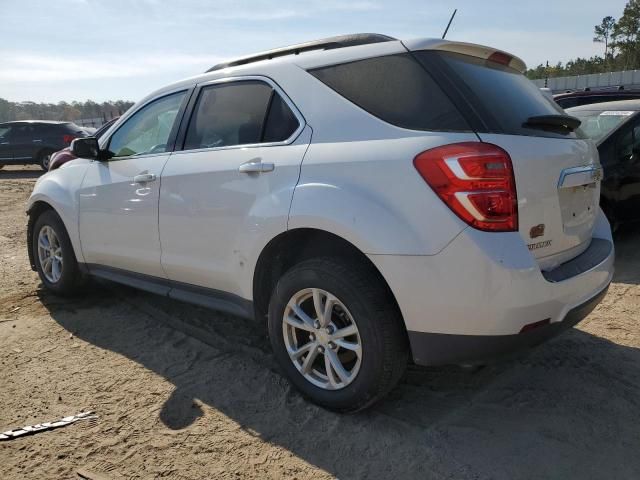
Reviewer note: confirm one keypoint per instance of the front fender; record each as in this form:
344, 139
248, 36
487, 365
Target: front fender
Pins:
58, 190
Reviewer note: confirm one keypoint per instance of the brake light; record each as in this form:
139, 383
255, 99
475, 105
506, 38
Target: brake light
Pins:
67, 139
475, 180
500, 57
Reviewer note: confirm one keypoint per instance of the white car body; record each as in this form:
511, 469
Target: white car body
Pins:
197, 231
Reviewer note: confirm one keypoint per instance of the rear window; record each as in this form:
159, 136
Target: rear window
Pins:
396, 89
500, 95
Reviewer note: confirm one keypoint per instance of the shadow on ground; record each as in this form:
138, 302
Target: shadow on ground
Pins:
569, 409
6, 174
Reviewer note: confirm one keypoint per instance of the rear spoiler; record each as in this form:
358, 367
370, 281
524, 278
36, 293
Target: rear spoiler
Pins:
472, 49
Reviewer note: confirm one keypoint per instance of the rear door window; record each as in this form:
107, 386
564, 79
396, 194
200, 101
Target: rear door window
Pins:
22, 132
502, 96
281, 123
396, 89
239, 113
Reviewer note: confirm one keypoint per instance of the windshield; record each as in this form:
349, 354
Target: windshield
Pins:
597, 124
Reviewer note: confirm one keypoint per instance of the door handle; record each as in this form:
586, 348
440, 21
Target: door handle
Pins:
256, 166
144, 178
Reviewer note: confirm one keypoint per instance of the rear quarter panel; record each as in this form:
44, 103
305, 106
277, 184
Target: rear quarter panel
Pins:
369, 193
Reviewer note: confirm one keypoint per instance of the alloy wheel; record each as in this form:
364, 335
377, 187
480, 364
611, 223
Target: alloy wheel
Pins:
50, 254
322, 339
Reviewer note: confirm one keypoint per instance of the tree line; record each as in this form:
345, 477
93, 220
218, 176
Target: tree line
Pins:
621, 48
74, 111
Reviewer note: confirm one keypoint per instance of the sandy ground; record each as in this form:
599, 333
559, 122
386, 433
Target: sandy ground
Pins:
182, 392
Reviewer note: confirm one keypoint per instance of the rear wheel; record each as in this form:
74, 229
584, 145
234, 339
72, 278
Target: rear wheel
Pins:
54, 257
337, 333
44, 159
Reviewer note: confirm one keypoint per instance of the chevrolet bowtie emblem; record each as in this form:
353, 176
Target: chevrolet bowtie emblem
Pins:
537, 231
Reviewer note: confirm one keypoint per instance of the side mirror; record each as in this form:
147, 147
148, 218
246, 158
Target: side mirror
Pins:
87, 147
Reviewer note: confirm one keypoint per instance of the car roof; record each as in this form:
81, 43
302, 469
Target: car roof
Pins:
633, 105
329, 51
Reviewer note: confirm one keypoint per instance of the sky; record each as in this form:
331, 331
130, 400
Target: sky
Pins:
55, 50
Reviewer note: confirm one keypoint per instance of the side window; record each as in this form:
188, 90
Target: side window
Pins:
628, 144
229, 114
21, 132
147, 131
280, 123
396, 89
5, 131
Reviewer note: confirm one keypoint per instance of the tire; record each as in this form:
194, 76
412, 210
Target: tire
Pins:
44, 159
362, 298
69, 279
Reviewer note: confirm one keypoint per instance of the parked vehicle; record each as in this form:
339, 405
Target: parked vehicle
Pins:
65, 155
615, 127
587, 97
34, 141
371, 200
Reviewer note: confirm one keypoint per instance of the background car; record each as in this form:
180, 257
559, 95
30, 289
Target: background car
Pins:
615, 127
586, 97
34, 141
65, 155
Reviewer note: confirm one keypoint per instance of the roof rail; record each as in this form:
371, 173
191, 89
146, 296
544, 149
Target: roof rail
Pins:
330, 43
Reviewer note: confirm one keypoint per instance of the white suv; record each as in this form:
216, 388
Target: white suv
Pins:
373, 200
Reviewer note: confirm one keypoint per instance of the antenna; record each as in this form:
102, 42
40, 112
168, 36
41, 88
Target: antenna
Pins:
449, 24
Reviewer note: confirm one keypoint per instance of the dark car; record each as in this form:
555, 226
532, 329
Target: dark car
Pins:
65, 155
615, 127
587, 97
33, 141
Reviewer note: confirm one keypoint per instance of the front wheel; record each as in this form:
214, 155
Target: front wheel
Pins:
54, 257
337, 333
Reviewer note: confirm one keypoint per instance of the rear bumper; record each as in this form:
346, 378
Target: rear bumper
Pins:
471, 301
444, 349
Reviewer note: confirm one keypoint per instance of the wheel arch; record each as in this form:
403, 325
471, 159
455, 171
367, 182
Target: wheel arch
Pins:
293, 246
34, 211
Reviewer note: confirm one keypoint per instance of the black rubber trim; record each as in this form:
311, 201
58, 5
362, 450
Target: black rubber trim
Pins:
445, 349
205, 297
598, 251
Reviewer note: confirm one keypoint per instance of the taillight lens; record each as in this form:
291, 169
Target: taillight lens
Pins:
476, 181
68, 138
500, 57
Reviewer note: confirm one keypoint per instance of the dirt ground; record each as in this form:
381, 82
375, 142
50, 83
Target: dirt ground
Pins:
182, 392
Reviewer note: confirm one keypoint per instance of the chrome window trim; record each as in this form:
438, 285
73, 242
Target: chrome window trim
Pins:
296, 113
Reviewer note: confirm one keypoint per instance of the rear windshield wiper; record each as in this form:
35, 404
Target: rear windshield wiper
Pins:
562, 123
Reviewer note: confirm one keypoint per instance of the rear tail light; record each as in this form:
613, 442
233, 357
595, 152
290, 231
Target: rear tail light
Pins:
67, 139
476, 181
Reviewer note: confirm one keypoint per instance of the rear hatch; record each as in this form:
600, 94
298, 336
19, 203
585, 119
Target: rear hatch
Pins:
556, 167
